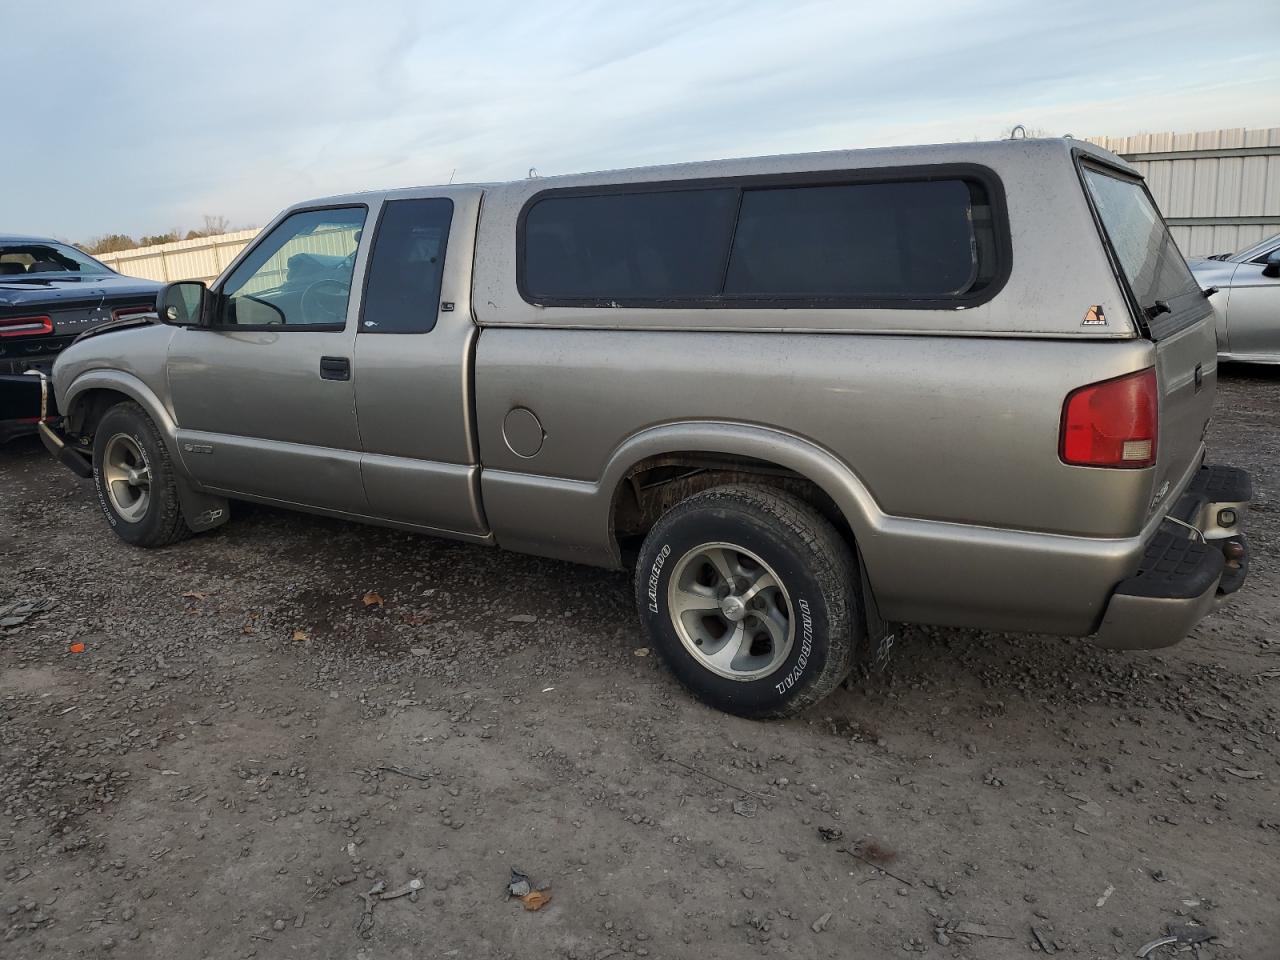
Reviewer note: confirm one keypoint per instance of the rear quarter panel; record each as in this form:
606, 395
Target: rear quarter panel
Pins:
953, 429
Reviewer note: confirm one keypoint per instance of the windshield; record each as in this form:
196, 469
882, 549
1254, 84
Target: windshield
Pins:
1150, 260
21, 258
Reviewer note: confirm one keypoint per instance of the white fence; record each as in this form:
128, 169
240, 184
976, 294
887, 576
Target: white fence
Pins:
200, 259
1219, 190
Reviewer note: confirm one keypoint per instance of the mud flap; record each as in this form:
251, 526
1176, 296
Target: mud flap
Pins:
881, 634
201, 511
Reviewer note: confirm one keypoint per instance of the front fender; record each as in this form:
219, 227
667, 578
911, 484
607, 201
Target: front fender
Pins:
202, 511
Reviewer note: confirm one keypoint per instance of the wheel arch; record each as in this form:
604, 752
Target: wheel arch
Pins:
92, 393
765, 454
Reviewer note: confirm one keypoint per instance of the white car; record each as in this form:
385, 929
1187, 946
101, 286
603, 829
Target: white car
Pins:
1246, 301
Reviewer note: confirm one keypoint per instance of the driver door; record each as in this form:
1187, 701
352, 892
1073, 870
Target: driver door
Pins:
263, 395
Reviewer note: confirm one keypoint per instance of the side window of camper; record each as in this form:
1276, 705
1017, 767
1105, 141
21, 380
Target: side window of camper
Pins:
901, 242
874, 240
628, 246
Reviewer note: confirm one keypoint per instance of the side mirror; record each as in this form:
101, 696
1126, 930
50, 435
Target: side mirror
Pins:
182, 304
1272, 269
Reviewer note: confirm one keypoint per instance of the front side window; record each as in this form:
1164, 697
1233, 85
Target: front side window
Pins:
1149, 259
894, 243
299, 275
402, 294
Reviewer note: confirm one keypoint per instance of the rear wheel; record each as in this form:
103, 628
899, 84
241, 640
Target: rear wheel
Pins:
135, 480
749, 595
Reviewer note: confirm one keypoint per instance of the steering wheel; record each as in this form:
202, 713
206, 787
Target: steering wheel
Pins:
325, 301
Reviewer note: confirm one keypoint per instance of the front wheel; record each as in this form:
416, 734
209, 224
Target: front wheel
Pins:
750, 596
135, 480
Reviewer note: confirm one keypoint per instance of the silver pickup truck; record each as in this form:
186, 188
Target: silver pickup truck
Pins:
805, 398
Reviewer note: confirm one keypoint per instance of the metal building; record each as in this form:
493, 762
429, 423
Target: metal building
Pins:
1219, 190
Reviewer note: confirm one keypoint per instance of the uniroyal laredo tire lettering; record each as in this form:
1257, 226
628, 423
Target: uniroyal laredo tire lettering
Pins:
102, 497
654, 574
806, 647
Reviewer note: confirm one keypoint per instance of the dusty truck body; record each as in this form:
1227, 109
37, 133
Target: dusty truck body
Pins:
806, 396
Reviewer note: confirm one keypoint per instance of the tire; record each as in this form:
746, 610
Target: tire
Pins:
748, 658
127, 443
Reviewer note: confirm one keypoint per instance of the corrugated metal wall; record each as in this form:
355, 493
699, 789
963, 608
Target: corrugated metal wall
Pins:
1219, 189
201, 259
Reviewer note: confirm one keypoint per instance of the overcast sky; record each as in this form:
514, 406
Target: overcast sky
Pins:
137, 116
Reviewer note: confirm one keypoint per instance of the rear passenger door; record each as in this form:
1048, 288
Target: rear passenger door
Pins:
414, 344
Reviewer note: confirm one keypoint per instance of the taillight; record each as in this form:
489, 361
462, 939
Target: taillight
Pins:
1113, 423
121, 312
25, 326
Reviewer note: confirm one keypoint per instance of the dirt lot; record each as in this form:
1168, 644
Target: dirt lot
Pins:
243, 748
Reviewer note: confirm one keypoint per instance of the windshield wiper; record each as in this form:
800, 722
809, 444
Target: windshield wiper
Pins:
1209, 292
1157, 308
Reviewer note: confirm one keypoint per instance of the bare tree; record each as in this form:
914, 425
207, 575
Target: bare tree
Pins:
108, 243
159, 238
213, 226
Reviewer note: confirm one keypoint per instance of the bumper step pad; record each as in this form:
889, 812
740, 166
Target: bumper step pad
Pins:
1175, 567
1221, 484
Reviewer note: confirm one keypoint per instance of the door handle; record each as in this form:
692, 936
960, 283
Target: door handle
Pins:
335, 368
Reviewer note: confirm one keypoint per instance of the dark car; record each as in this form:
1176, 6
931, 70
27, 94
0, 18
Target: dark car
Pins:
50, 293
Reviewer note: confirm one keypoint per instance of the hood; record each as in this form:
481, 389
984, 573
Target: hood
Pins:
55, 288
1212, 273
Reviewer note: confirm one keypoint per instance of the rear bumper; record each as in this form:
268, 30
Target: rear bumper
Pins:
1196, 558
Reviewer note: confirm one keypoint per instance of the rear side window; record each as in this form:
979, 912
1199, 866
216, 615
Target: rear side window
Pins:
900, 242
402, 294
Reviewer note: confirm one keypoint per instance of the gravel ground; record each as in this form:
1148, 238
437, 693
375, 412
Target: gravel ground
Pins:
243, 748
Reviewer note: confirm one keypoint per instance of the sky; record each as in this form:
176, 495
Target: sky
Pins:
139, 116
